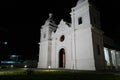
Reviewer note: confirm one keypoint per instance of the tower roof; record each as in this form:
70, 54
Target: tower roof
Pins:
50, 19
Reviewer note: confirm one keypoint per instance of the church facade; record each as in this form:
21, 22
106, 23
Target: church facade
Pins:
77, 45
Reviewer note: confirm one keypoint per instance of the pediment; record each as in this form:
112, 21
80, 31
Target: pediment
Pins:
62, 26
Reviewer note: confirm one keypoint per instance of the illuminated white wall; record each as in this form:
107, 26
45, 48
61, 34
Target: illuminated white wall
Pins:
57, 45
43, 55
84, 49
78, 49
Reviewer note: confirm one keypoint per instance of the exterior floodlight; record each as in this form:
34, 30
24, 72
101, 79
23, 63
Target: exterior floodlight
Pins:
25, 66
49, 67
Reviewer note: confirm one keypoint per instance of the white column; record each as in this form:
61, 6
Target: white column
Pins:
113, 54
107, 58
111, 64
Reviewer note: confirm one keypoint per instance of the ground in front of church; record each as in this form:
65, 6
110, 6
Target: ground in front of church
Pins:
55, 74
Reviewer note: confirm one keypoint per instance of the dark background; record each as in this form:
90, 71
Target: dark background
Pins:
20, 22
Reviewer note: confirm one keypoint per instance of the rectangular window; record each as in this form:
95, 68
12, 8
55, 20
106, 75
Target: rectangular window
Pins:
80, 20
94, 20
44, 35
98, 49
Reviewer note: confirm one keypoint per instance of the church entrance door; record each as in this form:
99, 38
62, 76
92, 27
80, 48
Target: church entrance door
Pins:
62, 58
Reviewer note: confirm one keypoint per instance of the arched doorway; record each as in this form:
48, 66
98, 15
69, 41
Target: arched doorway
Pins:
62, 58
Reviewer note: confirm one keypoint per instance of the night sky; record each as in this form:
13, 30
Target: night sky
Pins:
23, 21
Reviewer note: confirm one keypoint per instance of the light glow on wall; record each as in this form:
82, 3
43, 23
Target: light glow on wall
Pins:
106, 53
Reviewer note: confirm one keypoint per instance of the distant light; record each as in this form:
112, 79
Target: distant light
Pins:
11, 66
25, 66
5, 43
14, 56
8, 62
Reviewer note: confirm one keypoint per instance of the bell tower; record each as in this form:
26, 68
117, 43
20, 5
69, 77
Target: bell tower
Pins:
86, 25
45, 42
85, 13
80, 14
47, 29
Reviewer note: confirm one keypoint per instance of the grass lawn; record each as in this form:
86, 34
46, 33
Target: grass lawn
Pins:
21, 74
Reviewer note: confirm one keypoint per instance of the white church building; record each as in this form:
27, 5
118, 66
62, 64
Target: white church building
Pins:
77, 45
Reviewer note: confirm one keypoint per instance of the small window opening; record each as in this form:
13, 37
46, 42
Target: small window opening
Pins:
44, 35
98, 49
80, 20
